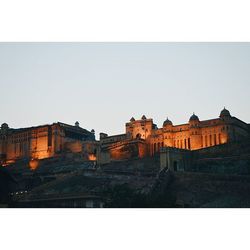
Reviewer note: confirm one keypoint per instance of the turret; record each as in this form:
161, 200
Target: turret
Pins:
168, 137
225, 115
194, 121
195, 132
167, 124
3, 141
227, 133
4, 128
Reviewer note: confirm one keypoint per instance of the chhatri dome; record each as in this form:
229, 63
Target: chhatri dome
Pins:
132, 119
4, 126
224, 113
194, 118
144, 117
167, 122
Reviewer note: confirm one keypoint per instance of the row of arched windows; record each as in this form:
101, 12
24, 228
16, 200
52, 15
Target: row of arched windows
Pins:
155, 147
206, 141
210, 140
183, 143
21, 148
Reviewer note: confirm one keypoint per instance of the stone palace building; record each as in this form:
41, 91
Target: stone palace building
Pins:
141, 138
42, 142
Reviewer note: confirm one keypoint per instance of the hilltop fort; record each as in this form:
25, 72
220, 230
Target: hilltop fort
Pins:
196, 164
142, 138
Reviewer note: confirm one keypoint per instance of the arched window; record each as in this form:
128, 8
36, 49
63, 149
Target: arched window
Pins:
138, 136
154, 148
219, 138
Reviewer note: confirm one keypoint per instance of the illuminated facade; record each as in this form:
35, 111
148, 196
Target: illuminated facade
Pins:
193, 135
142, 138
42, 142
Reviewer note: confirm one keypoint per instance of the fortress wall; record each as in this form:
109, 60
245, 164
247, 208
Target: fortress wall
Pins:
113, 139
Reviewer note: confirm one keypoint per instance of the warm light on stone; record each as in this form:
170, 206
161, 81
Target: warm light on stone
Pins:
141, 138
33, 164
92, 157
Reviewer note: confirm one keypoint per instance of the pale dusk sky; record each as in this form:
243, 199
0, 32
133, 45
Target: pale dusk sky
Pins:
102, 85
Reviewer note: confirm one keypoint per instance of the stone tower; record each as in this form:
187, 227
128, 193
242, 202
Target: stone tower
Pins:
139, 129
3, 144
195, 132
227, 132
168, 136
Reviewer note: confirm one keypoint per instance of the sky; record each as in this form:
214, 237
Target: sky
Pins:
102, 85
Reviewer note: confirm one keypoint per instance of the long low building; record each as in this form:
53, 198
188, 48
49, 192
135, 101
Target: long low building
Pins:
41, 142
